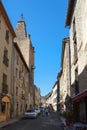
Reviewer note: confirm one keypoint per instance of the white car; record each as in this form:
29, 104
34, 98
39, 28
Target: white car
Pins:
30, 114
37, 110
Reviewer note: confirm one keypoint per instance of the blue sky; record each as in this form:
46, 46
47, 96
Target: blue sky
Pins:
45, 20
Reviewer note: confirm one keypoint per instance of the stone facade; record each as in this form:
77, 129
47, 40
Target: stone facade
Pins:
77, 20
64, 78
37, 97
27, 49
49, 99
21, 90
16, 68
54, 96
6, 39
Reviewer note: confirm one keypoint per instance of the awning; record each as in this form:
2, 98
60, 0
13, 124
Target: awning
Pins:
80, 96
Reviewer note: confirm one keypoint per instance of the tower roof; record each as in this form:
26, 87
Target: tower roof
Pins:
21, 32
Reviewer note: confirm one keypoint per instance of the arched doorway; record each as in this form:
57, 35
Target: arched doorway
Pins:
5, 108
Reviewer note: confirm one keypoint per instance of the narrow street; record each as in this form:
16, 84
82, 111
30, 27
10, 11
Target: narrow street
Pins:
51, 122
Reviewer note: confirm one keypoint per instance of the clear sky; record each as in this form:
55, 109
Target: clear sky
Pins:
45, 21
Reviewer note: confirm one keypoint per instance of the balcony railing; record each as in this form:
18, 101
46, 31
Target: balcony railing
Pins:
4, 88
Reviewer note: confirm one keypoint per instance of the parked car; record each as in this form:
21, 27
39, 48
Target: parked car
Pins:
37, 110
30, 114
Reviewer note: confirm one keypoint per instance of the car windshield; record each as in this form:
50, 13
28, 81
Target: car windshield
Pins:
30, 110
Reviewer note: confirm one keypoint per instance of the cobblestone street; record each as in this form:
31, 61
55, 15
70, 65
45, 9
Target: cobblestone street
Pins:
51, 122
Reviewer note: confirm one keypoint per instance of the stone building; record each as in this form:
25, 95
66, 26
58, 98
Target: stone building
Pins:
20, 83
6, 39
76, 19
54, 96
27, 49
64, 76
48, 99
37, 97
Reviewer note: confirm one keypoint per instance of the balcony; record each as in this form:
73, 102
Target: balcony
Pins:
4, 88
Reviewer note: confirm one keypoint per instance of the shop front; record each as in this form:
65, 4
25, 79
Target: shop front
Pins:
80, 106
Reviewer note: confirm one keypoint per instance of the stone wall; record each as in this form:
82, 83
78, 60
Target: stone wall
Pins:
79, 14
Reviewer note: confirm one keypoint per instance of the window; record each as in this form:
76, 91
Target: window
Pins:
75, 42
16, 91
16, 73
75, 50
7, 36
4, 84
5, 78
76, 82
74, 28
5, 57
17, 109
22, 95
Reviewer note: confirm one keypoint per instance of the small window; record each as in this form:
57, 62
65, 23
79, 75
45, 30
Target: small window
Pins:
7, 36
75, 50
74, 28
16, 73
16, 91
76, 82
5, 57
4, 78
17, 109
4, 84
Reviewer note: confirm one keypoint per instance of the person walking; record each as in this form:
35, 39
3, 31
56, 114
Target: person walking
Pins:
43, 112
47, 111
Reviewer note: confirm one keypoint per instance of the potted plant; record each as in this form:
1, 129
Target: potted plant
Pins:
68, 117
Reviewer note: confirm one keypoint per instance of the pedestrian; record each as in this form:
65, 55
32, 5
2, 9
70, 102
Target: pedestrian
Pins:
43, 112
47, 111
